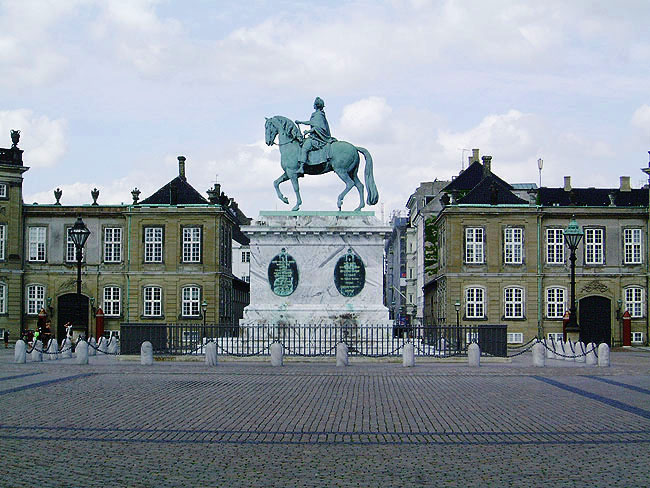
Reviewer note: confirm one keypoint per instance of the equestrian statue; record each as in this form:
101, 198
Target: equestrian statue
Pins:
316, 153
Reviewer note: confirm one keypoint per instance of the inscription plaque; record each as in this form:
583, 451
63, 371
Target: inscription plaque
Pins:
283, 274
349, 274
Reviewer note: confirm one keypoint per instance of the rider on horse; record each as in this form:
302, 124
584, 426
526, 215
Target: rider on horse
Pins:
317, 137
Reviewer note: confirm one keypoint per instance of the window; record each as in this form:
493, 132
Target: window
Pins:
3, 190
37, 243
634, 301
474, 245
632, 246
556, 337
191, 298
112, 301
515, 337
514, 303
191, 244
71, 249
594, 246
637, 337
112, 244
475, 303
3, 240
152, 301
555, 302
153, 244
513, 238
245, 256
35, 299
3, 298
555, 246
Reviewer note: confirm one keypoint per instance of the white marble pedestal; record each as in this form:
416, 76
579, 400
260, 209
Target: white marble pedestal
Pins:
316, 241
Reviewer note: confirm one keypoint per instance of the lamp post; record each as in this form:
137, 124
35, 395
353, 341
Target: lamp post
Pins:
457, 307
204, 310
572, 236
79, 235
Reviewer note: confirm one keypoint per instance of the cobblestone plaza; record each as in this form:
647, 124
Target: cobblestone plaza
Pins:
117, 423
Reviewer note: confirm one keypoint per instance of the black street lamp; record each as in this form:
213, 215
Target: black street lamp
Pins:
457, 307
204, 309
79, 234
572, 236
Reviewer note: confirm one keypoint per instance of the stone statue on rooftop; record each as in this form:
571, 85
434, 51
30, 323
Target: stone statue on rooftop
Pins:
316, 153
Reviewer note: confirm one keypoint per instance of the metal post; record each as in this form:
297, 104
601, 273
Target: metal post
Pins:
78, 256
457, 306
572, 313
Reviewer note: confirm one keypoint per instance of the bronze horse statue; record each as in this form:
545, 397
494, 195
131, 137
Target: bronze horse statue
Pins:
344, 162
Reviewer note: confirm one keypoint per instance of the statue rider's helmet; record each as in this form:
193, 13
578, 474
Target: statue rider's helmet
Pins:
319, 103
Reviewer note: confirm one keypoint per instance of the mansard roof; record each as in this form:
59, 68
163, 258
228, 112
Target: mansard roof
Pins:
492, 190
471, 177
593, 197
177, 192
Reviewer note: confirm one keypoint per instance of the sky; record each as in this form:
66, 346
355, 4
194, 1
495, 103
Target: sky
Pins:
108, 93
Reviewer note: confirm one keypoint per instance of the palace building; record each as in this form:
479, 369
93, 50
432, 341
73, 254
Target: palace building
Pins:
155, 260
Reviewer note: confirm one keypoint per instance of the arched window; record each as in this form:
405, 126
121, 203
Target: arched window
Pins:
112, 301
555, 302
513, 302
152, 301
3, 298
475, 302
35, 299
634, 301
191, 301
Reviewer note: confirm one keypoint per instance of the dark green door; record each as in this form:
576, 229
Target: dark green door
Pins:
595, 320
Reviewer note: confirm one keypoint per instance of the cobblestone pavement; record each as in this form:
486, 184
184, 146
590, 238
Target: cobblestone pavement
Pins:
116, 423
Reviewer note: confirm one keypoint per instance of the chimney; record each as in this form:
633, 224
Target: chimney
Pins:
474, 156
487, 165
181, 167
625, 184
567, 183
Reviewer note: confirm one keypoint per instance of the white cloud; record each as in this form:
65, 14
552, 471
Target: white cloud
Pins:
641, 119
365, 118
43, 139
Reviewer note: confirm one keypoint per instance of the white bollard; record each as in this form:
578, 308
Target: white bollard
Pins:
66, 349
550, 345
603, 355
81, 352
112, 346
342, 354
20, 352
539, 356
146, 354
103, 345
211, 354
92, 344
591, 358
580, 352
36, 354
474, 355
408, 355
568, 352
277, 354
443, 346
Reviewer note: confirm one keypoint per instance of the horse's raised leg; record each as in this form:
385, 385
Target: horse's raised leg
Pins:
359, 185
296, 188
276, 184
349, 184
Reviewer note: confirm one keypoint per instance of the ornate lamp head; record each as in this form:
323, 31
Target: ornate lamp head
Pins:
573, 234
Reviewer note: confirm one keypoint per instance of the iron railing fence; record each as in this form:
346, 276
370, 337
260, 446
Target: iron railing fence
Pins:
314, 340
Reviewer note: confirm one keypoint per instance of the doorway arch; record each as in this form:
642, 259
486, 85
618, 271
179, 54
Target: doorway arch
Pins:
71, 308
595, 319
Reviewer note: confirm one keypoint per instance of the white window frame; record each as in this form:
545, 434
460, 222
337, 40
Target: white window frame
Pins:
245, 256
474, 247
112, 302
515, 338
35, 297
555, 246
112, 244
153, 244
556, 336
3, 298
191, 301
513, 245
3, 190
37, 243
192, 244
3, 241
634, 301
637, 337
632, 246
475, 302
555, 307
152, 301
71, 249
594, 245
513, 302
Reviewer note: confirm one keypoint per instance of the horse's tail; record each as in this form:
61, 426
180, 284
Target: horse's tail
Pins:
373, 194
